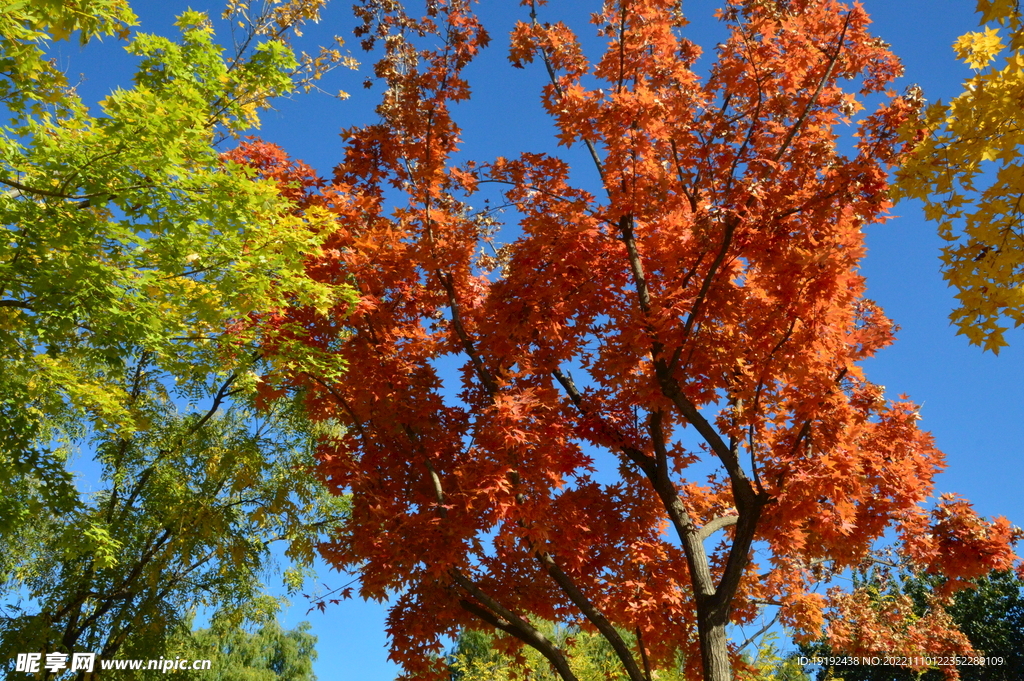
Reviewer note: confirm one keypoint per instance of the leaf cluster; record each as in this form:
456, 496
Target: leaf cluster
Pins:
966, 169
130, 233
990, 614
270, 653
478, 656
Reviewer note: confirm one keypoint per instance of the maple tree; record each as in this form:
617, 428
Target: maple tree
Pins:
967, 170
698, 321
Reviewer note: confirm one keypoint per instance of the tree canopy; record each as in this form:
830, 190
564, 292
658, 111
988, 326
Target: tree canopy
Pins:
659, 374
186, 514
131, 232
138, 262
270, 653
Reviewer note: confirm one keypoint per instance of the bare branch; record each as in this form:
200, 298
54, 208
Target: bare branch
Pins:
760, 631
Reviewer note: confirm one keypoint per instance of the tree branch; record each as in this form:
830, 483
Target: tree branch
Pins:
486, 377
715, 525
760, 631
223, 393
817, 93
558, 90
635, 455
592, 614
502, 618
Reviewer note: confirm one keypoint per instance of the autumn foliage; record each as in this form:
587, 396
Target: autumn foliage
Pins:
966, 168
644, 410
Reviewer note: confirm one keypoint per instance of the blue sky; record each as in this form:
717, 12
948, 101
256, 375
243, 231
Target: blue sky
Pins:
972, 402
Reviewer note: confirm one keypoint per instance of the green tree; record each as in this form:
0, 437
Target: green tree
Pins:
189, 508
479, 656
141, 269
271, 653
130, 231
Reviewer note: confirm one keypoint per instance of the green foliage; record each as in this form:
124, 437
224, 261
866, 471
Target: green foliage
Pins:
188, 509
269, 654
141, 269
769, 664
478, 656
992, 617
29, 80
130, 232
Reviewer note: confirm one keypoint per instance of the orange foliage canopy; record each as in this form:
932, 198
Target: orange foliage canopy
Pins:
702, 312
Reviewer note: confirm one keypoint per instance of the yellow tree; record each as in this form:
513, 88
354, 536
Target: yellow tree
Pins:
968, 171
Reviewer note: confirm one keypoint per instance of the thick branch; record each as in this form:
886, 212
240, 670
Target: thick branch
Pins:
739, 558
592, 614
648, 672
502, 618
742, 489
343, 403
626, 225
696, 556
663, 372
715, 525
25, 189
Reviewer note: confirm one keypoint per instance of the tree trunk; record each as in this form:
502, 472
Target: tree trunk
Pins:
714, 647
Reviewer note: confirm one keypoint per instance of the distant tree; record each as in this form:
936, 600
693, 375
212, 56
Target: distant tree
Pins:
990, 615
270, 653
968, 170
478, 656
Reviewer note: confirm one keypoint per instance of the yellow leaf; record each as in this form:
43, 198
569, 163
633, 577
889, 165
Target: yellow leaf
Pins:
978, 48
